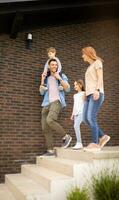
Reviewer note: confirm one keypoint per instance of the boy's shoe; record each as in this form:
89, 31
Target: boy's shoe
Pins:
78, 146
103, 140
66, 141
92, 147
43, 87
60, 87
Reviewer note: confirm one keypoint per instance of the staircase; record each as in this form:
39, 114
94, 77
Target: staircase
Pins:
52, 177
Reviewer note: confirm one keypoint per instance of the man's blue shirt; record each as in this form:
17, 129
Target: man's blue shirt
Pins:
45, 92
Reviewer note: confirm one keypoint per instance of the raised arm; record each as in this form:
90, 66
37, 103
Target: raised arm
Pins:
63, 80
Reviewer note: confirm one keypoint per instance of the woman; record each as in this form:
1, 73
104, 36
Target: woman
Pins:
94, 97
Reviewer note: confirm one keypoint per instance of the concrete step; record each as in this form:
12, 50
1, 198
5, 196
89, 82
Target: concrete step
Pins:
52, 177
5, 193
24, 188
105, 153
52, 181
71, 154
64, 166
79, 170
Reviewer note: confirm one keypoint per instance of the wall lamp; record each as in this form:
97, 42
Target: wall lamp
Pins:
29, 40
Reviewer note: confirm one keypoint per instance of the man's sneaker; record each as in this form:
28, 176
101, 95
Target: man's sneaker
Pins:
103, 140
78, 146
50, 153
64, 138
66, 141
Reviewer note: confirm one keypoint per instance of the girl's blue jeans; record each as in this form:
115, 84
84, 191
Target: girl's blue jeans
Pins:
91, 108
77, 122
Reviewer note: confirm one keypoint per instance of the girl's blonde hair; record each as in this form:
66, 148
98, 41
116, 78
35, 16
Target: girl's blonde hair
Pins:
91, 53
81, 84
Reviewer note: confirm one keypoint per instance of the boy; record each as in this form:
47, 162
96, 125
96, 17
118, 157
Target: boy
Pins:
52, 55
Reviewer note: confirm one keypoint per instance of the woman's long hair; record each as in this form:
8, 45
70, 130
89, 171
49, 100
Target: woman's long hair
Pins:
91, 53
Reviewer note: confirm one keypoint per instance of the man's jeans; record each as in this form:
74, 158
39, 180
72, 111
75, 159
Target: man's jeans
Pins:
91, 108
49, 122
77, 122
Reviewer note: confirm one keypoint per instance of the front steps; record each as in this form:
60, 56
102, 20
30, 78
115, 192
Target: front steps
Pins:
5, 193
49, 179
24, 188
52, 177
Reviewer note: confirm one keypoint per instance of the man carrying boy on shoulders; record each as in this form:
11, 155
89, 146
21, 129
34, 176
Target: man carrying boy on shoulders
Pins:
53, 102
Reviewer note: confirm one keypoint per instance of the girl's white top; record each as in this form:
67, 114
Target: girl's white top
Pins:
78, 103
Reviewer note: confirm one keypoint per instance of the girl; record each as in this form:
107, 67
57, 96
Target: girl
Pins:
77, 113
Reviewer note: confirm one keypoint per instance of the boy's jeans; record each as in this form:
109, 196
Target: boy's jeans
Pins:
49, 122
91, 108
77, 122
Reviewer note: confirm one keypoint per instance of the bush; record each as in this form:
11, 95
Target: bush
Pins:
77, 194
106, 185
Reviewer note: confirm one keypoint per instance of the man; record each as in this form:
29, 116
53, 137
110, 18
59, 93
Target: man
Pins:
53, 102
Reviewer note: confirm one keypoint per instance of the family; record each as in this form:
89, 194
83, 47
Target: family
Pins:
87, 101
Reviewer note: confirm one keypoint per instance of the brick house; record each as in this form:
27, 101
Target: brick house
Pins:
68, 27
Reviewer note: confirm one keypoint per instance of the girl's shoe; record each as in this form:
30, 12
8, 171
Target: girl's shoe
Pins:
78, 146
103, 140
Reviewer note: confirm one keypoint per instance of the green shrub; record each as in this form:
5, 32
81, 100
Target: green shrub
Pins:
77, 194
106, 185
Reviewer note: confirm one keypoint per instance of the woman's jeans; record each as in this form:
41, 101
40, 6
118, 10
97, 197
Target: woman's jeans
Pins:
77, 122
91, 108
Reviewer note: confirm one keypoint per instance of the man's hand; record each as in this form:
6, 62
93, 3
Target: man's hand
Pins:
72, 117
43, 76
96, 95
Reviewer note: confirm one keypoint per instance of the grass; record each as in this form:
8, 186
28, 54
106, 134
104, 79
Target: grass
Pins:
106, 185
77, 194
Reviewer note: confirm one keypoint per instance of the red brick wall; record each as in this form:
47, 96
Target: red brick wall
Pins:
21, 138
